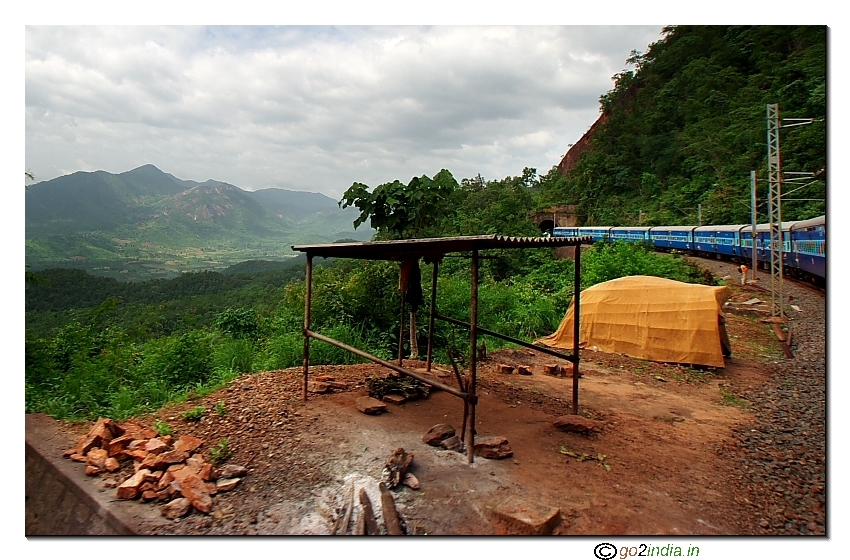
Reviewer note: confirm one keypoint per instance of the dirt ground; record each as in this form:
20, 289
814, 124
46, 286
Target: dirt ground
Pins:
666, 437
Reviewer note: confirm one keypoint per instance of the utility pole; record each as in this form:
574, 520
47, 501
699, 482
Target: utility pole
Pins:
774, 202
774, 209
753, 215
699, 213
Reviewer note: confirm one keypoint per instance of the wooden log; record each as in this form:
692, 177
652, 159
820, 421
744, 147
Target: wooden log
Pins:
390, 512
506, 369
341, 525
368, 515
778, 330
360, 528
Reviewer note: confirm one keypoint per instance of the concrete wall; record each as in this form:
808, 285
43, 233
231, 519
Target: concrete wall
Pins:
62, 500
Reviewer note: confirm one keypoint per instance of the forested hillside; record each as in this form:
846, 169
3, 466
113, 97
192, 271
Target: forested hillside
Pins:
687, 124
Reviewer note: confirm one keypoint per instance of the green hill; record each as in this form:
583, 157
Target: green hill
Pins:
145, 223
681, 132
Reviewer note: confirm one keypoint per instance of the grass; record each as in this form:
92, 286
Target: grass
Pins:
690, 374
194, 414
727, 398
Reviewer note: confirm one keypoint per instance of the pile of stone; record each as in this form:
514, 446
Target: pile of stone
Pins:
489, 447
165, 469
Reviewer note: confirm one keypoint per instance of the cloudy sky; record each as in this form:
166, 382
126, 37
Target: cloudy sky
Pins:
315, 108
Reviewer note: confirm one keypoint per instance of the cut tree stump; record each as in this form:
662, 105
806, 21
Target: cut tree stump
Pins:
523, 370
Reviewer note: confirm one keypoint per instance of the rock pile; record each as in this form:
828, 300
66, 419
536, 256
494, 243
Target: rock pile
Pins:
164, 469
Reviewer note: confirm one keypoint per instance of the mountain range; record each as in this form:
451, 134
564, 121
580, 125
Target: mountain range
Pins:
146, 223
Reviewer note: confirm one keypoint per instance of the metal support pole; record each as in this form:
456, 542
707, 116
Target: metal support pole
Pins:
404, 371
774, 199
576, 325
431, 316
401, 333
308, 293
753, 206
473, 358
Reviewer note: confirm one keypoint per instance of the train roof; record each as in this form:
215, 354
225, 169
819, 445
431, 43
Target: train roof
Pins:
736, 227
766, 227
655, 229
812, 222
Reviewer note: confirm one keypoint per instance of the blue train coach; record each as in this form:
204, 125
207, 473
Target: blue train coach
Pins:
808, 247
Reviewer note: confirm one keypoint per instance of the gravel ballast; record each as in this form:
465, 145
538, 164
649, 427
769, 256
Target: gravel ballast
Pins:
781, 472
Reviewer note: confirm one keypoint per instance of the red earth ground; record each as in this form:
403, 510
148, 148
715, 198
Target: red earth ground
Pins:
666, 437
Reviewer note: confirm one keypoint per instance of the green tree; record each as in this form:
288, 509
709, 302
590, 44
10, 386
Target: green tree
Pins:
401, 211
687, 124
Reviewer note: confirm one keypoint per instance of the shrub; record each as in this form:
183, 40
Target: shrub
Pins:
183, 360
607, 261
239, 322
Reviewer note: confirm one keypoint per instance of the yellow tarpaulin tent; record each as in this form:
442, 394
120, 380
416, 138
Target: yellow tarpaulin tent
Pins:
649, 318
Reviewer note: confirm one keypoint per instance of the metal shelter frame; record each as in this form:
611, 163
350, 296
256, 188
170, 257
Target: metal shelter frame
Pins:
432, 250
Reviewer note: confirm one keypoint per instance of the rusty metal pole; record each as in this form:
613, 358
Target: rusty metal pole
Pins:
307, 298
401, 332
473, 358
431, 317
576, 315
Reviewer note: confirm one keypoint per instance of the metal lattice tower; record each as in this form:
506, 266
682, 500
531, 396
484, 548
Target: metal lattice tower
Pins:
774, 205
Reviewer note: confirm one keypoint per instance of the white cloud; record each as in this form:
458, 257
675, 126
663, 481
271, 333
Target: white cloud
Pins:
315, 108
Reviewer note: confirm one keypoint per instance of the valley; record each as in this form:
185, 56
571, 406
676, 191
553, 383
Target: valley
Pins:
145, 224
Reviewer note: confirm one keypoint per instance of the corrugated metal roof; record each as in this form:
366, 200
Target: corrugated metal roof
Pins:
433, 246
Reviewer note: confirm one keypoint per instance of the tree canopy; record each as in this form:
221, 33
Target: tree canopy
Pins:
687, 124
397, 210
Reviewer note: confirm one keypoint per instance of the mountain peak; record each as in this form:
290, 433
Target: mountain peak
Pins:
147, 169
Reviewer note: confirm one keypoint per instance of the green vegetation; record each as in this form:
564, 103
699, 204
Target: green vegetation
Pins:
728, 398
124, 356
685, 127
219, 454
194, 414
162, 428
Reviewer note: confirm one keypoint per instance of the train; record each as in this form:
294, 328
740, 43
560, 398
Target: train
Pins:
803, 243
